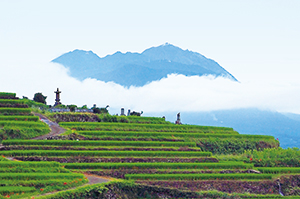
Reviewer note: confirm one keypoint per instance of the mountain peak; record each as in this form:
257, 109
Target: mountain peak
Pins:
138, 69
167, 44
79, 52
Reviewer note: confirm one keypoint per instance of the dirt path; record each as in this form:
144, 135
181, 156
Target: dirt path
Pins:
93, 179
55, 128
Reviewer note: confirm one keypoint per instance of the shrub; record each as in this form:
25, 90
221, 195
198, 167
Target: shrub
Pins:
39, 97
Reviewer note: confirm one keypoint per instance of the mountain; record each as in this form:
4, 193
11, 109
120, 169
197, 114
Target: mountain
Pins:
249, 121
138, 69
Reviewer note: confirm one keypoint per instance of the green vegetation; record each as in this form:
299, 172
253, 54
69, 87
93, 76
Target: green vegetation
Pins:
15, 111
159, 158
91, 117
32, 104
3, 159
19, 118
274, 157
38, 176
235, 145
275, 170
161, 165
88, 191
7, 95
132, 119
19, 132
40, 98
72, 117
22, 124
107, 153
17, 122
24, 179
173, 134
98, 143
9, 101
10, 189
145, 127
197, 176
274, 153
12, 164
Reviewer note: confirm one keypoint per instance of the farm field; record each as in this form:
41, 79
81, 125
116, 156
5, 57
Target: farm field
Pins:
17, 119
22, 179
145, 155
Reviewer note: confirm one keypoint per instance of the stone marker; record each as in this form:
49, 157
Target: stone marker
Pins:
57, 99
178, 119
122, 112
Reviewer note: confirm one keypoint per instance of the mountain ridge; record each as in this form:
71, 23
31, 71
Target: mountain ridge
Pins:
161, 61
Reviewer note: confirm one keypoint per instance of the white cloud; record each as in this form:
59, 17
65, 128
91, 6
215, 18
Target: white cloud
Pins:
174, 93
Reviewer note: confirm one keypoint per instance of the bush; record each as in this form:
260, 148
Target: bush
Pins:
235, 145
108, 118
39, 97
274, 157
72, 107
100, 110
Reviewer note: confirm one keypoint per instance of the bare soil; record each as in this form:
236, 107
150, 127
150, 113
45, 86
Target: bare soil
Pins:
55, 128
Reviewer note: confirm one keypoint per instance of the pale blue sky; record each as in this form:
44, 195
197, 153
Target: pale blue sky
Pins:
257, 36
251, 39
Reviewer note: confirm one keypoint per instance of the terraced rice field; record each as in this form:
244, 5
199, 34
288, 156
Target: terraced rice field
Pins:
17, 120
23, 179
158, 153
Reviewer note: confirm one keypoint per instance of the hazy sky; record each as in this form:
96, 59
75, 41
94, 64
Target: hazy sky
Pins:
256, 41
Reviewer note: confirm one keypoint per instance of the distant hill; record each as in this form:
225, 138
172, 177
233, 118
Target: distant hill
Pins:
284, 126
138, 69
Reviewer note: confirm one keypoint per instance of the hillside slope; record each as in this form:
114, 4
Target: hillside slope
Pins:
248, 121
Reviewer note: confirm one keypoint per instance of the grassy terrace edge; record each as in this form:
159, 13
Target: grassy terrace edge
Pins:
143, 125
97, 143
107, 153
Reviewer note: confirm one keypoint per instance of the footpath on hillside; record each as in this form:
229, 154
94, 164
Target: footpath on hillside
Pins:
55, 128
93, 179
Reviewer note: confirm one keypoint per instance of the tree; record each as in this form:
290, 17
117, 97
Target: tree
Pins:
84, 107
39, 97
100, 110
72, 107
